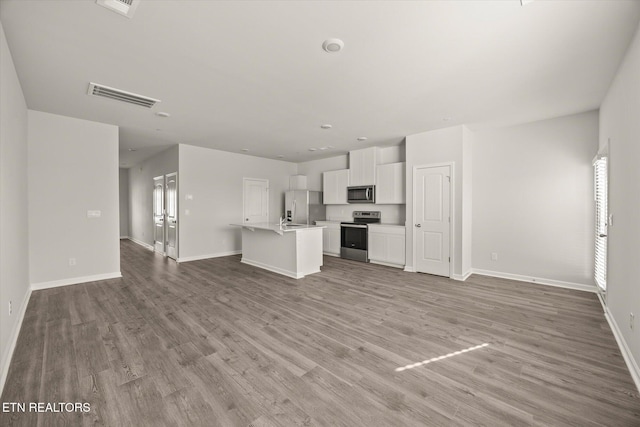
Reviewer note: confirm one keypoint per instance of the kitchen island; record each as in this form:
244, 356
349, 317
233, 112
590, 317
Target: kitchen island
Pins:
291, 250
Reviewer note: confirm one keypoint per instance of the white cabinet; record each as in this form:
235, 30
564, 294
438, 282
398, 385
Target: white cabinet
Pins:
330, 237
334, 187
386, 245
390, 184
362, 166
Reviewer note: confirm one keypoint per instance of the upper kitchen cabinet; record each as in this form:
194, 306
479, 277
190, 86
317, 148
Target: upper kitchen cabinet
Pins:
362, 166
390, 184
334, 186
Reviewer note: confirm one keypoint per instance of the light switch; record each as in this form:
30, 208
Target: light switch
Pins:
189, 197
94, 214
187, 212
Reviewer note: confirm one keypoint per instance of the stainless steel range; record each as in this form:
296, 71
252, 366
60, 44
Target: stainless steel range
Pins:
353, 235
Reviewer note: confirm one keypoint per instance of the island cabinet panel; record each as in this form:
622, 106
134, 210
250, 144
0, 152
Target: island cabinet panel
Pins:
330, 238
387, 245
390, 184
362, 166
334, 186
291, 250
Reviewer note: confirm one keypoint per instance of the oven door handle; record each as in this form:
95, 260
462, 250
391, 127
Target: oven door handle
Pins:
353, 226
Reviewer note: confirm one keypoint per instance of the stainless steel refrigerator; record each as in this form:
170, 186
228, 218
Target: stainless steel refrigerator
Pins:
304, 207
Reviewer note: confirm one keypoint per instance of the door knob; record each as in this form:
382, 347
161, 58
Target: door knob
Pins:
418, 225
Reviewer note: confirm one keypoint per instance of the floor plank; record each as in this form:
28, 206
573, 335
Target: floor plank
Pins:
219, 343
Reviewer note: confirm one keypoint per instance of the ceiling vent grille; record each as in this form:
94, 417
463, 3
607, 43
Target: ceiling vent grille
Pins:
122, 7
121, 95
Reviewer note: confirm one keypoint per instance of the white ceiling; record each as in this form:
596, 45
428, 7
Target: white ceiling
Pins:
253, 75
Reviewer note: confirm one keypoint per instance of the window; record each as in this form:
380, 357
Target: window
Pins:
600, 192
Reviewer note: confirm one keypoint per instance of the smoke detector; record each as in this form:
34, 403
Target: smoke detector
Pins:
122, 7
333, 45
96, 89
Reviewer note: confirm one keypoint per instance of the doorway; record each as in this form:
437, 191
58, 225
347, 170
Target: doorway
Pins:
255, 205
158, 215
432, 219
165, 215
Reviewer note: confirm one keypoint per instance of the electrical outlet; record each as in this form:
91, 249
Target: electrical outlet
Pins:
632, 319
72, 262
10, 307
494, 256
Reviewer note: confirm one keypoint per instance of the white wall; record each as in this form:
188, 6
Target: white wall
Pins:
436, 147
73, 168
214, 179
14, 249
141, 193
123, 180
620, 122
533, 199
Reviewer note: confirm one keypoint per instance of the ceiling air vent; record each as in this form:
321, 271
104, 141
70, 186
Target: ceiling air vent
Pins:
121, 95
122, 7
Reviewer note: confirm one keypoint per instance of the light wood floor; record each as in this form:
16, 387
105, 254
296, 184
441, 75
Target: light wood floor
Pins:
216, 342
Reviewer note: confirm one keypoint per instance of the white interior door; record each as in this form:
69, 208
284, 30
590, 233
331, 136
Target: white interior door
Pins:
171, 184
158, 214
256, 200
432, 222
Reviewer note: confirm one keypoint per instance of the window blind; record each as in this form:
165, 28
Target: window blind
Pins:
600, 187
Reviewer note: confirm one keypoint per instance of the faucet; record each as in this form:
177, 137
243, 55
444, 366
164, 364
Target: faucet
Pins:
282, 221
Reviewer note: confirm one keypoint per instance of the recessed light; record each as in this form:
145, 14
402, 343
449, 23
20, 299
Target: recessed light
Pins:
362, 138
245, 149
162, 114
313, 149
333, 45
323, 148
446, 119
132, 149
326, 126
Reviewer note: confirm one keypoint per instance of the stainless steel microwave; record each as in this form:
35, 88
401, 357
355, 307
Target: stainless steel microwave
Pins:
362, 194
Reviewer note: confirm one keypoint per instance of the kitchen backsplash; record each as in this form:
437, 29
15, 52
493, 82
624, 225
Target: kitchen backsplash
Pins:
391, 214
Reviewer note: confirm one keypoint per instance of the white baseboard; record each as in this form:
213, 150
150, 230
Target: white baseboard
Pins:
282, 271
74, 281
536, 280
125, 238
143, 244
330, 254
13, 339
409, 269
622, 344
462, 277
387, 264
216, 255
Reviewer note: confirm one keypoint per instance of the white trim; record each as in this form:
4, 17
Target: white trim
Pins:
124, 237
143, 244
387, 264
537, 280
462, 277
331, 254
216, 255
452, 212
13, 340
622, 344
74, 281
409, 269
271, 268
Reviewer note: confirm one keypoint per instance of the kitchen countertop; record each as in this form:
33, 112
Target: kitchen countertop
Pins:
347, 220
276, 228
